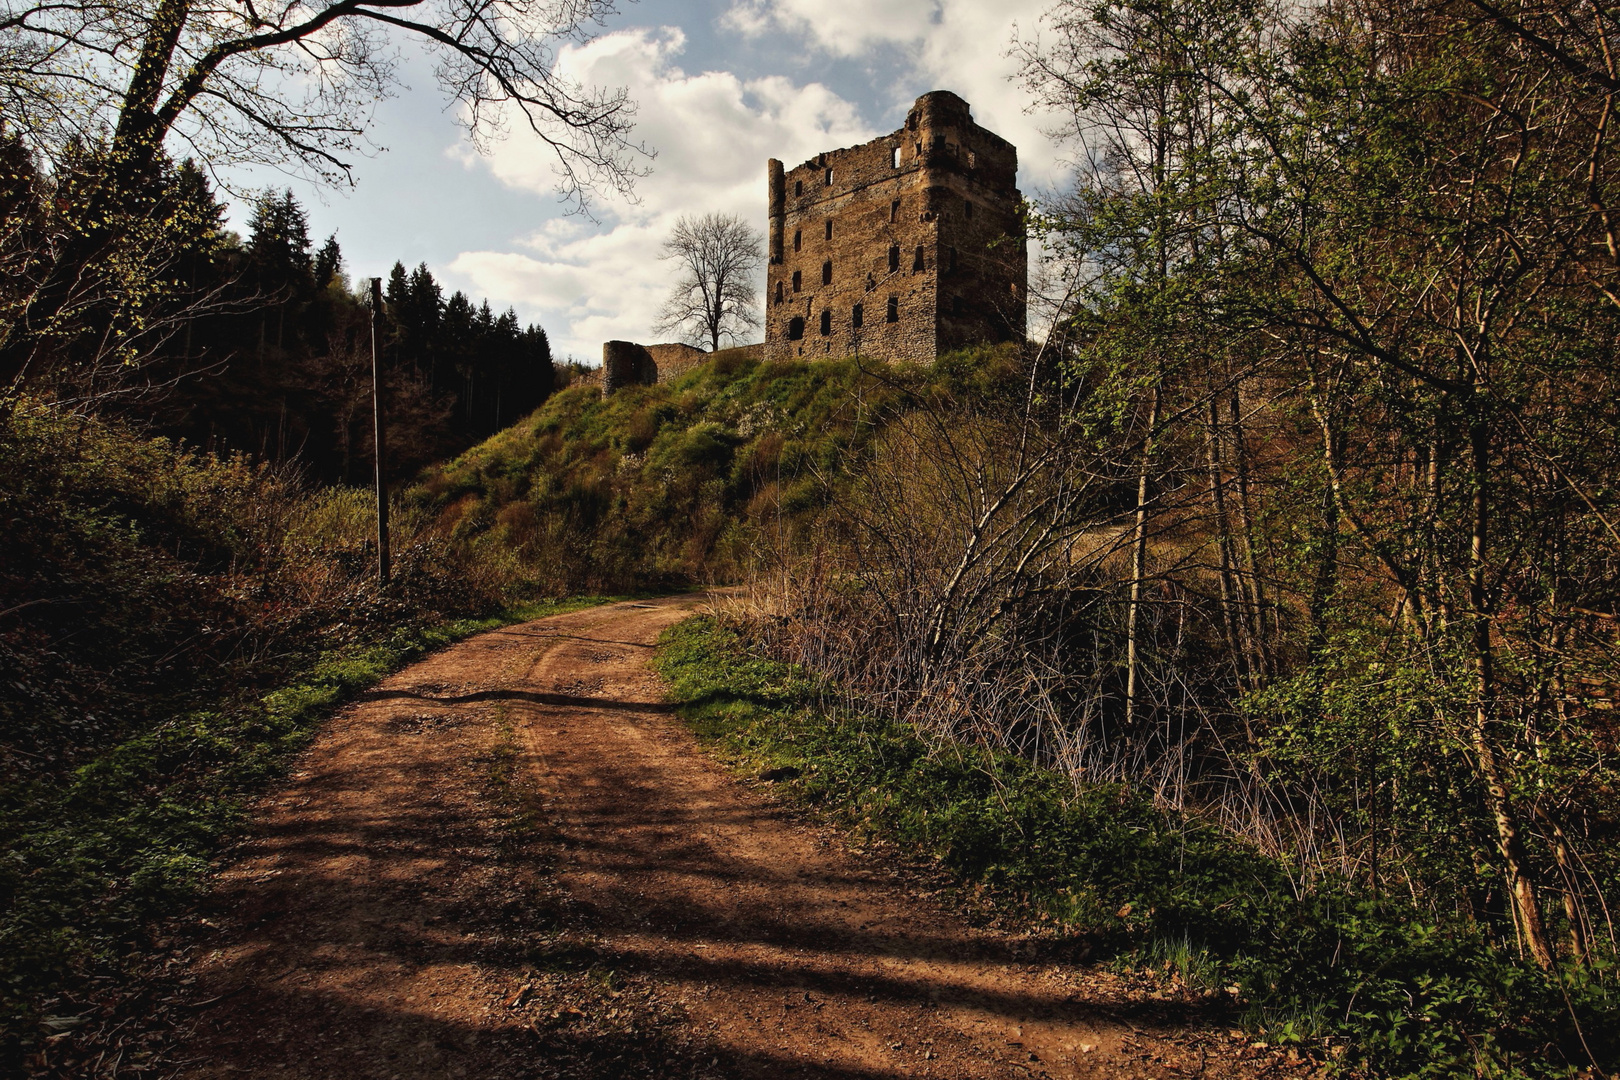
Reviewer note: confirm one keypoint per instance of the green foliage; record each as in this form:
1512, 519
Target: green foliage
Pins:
687, 480
1396, 991
1406, 504
259, 343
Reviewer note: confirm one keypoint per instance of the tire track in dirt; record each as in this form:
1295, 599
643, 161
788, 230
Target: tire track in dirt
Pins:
654, 917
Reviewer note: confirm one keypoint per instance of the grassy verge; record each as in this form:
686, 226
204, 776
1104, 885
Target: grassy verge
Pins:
86, 864
1375, 986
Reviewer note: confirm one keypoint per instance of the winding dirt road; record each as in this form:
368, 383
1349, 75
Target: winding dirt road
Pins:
511, 860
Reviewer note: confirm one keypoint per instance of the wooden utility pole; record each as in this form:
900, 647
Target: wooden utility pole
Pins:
379, 429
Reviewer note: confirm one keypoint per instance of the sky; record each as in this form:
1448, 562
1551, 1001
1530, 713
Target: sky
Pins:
720, 86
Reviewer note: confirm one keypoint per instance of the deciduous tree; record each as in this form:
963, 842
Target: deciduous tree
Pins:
288, 83
715, 295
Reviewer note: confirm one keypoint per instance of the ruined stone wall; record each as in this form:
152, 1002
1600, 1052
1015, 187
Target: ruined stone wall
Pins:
624, 363
900, 248
674, 360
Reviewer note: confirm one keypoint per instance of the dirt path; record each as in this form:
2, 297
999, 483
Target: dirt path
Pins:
510, 860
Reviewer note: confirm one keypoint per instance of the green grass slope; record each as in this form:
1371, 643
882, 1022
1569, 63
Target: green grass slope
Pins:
686, 481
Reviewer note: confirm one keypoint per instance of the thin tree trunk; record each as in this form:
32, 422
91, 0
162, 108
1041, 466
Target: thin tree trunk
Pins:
1233, 620
1327, 559
1139, 565
1247, 553
1493, 769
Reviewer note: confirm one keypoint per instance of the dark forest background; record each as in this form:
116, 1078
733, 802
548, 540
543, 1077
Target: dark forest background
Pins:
261, 343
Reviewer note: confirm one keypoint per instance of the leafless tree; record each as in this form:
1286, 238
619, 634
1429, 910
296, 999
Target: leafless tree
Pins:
289, 83
714, 297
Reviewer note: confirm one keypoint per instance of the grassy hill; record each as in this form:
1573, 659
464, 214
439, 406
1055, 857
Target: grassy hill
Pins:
685, 481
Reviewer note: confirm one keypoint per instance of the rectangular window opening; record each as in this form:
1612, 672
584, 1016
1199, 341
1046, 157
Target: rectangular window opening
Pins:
796, 281
857, 316
895, 160
893, 313
829, 228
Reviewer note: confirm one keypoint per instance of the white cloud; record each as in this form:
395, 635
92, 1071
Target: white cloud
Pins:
713, 132
841, 27
957, 45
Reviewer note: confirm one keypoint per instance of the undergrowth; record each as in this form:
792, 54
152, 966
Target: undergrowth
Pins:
1367, 982
173, 625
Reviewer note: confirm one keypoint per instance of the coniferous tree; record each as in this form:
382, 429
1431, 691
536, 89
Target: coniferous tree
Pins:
328, 262
258, 345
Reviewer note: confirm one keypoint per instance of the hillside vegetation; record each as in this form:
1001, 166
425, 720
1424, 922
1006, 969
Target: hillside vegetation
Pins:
700, 479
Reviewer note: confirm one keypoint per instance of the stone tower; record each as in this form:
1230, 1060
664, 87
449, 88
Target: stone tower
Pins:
901, 248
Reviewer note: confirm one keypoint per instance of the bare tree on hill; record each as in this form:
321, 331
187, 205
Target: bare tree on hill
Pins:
714, 297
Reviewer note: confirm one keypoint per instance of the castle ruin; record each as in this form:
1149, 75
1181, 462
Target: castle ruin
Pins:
624, 363
901, 248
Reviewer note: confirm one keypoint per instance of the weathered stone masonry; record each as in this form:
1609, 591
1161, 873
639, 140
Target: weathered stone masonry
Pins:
624, 363
901, 248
